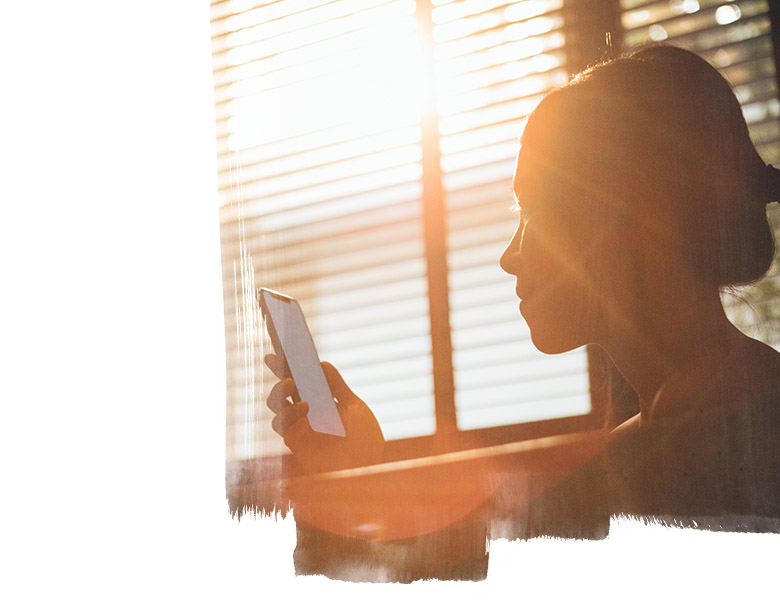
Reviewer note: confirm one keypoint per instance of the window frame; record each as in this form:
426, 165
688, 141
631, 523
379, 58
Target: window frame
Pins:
585, 25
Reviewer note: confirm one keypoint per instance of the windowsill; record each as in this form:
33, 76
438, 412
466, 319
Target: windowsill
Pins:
415, 496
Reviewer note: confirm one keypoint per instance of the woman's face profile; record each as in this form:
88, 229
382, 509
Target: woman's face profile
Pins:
556, 256
549, 287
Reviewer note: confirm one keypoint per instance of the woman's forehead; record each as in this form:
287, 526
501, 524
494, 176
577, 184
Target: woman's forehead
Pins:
533, 190
521, 184
528, 168
538, 174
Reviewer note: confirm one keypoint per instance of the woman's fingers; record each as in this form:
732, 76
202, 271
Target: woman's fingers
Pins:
286, 387
279, 394
275, 364
289, 417
299, 436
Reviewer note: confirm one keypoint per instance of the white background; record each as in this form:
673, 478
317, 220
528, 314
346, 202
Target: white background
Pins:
112, 427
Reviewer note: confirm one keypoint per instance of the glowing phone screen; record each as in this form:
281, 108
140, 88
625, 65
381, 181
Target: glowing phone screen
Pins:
303, 362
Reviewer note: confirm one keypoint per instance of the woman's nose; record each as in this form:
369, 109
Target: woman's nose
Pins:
510, 259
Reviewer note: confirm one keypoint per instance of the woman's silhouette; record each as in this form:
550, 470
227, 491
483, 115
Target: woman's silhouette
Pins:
641, 198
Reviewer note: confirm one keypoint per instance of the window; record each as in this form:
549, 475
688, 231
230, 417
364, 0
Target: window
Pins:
322, 142
366, 150
494, 61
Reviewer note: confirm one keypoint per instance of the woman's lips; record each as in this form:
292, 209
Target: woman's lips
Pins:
525, 303
522, 292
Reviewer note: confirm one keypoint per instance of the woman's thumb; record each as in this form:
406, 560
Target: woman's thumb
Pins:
337, 384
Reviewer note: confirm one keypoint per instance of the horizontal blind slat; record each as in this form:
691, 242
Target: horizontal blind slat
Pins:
320, 186
495, 71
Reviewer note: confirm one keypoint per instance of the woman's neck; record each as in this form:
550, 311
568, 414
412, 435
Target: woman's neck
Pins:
666, 340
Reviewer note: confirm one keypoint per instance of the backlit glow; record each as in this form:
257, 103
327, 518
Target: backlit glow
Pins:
321, 105
636, 17
356, 68
684, 6
657, 33
727, 13
530, 8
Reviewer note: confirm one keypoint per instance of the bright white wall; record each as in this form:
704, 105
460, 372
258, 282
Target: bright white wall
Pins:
112, 428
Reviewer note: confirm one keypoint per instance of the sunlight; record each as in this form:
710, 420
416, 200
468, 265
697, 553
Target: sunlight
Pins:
530, 8
324, 68
499, 56
727, 14
657, 33
684, 6
322, 106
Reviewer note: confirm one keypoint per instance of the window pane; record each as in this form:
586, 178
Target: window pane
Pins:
495, 61
320, 179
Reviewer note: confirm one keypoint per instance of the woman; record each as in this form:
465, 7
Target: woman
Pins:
641, 197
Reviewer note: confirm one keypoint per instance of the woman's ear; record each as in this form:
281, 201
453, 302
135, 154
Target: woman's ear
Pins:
649, 220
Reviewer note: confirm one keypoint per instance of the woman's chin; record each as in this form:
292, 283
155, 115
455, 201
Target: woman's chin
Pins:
549, 343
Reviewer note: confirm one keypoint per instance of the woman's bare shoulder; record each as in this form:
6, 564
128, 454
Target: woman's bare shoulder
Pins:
753, 375
762, 357
724, 377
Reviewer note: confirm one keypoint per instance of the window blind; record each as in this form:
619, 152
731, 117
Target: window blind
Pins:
319, 138
735, 37
495, 61
320, 181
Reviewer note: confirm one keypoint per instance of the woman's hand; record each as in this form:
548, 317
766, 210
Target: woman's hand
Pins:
363, 444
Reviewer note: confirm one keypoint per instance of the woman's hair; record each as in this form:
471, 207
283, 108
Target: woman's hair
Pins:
659, 132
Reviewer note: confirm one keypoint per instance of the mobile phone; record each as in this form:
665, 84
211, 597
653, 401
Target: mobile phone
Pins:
293, 343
